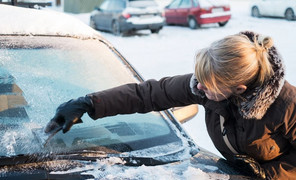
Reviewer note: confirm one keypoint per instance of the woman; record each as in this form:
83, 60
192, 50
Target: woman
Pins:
250, 108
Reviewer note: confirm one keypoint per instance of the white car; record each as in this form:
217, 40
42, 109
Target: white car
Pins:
274, 8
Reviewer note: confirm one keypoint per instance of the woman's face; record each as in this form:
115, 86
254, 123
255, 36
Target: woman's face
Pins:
225, 93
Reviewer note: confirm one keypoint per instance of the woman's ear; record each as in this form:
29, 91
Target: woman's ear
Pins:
240, 89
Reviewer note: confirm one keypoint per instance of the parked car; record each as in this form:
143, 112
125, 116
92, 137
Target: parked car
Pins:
274, 8
120, 16
48, 58
197, 12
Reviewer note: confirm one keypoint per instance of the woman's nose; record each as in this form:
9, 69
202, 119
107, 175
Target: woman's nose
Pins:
201, 87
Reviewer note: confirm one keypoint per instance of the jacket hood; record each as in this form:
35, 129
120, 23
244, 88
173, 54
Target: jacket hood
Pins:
257, 100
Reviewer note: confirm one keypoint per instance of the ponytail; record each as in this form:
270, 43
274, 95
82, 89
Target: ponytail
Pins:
262, 45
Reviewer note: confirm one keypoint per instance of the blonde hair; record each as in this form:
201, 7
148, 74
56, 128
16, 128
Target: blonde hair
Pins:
232, 61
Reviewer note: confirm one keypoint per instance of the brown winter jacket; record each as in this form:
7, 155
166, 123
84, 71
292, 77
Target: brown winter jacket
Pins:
262, 126
271, 140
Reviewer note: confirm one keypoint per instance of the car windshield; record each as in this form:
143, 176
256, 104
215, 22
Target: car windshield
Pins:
142, 3
39, 73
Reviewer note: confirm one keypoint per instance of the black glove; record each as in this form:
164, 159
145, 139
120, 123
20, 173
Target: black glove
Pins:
69, 113
250, 166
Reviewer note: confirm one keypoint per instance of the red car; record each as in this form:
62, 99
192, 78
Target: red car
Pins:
197, 12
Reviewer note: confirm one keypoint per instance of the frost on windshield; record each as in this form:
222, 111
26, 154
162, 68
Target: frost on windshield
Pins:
16, 139
49, 75
38, 74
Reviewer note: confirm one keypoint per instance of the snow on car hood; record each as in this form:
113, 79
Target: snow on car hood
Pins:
113, 168
17, 20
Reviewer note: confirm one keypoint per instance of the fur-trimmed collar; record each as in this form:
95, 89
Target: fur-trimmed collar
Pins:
257, 100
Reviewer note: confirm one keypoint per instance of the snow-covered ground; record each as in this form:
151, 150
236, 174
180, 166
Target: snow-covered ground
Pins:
172, 51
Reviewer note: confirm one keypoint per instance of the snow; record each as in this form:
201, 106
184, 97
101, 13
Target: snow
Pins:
171, 52
41, 22
112, 168
9, 142
209, 3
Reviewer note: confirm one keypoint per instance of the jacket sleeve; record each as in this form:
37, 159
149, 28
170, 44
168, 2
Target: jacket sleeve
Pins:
285, 166
144, 97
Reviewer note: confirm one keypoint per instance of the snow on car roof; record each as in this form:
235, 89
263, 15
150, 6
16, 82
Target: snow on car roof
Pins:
18, 20
210, 3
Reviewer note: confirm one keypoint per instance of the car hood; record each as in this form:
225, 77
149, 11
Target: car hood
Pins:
35, 22
114, 168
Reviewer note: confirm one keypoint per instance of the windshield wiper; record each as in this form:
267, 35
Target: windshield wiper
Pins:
33, 158
23, 159
90, 155
127, 158
99, 152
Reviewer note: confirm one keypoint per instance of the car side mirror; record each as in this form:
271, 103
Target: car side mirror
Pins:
184, 114
97, 8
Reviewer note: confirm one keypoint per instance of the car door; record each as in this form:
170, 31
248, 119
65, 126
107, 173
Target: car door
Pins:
171, 12
102, 15
111, 11
183, 11
114, 12
267, 7
280, 7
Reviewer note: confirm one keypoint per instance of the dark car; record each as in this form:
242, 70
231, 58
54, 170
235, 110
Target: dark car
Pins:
119, 16
41, 68
197, 12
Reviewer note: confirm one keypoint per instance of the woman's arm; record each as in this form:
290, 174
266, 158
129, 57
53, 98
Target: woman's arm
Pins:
147, 96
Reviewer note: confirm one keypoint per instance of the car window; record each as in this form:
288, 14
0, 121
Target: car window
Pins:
142, 3
185, 4
105, 5
175, 4
195, 3
51, 70
117, 5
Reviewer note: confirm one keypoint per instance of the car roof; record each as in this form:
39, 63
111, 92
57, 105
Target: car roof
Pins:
24, 21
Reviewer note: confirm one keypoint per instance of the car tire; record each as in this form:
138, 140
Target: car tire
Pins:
92, 23
221, 24
192, 23
155, 31
289, 14
116, 28
255, 12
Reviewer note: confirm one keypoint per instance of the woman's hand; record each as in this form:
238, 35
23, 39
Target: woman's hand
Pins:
69, 113
251, 166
